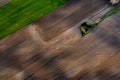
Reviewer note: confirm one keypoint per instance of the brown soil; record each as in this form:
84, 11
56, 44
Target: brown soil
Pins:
51, 48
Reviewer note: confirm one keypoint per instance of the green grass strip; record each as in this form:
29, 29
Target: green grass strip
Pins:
19, 13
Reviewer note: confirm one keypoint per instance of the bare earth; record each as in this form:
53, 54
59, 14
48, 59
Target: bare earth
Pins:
51, 47
2, 2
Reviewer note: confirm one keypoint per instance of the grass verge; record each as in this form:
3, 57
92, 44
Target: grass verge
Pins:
19, 13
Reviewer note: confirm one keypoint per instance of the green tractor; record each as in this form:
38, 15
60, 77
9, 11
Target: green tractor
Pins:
86, 27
